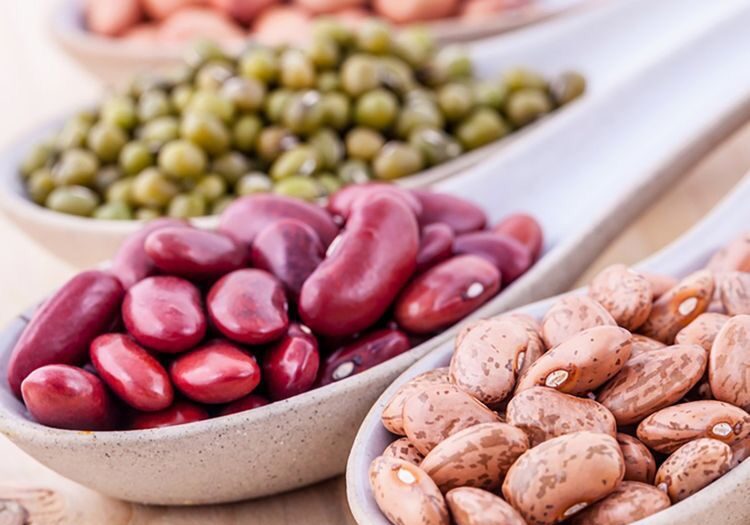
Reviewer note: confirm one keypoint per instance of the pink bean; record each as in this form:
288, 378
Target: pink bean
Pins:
525, 229
340, 203
291, 366
461, 215
178, 414
248, 402
507, 254
435, 245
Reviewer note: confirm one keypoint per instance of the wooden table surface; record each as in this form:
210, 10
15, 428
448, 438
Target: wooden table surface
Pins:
39, 82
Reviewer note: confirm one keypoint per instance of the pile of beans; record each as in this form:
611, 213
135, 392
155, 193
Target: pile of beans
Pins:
301, 122
190, 323
614, 406
171, 22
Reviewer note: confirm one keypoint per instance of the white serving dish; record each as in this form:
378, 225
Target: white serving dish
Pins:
725, 501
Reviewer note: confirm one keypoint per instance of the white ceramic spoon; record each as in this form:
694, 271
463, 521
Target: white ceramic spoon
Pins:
724, 501
609, 43
584, 177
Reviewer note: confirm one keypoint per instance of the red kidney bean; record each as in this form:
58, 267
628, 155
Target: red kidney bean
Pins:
507, 254
65, 396
164, 313
290, 250
179, 413
63, 327
341, 202
461, 215
217, 372
193, 253
435, 245
291, 366
248, 402
525, 229
374, 257
446, 293
247, 216
248, 306
133, 374
131, 264
368, 351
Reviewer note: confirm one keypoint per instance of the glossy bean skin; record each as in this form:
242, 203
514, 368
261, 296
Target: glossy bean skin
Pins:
734, 257
446, 293
679, 306
660, 283
640, 464
364, 353
392, 416
535, 346
488, 359
164, 313
470, 506
671, 427
247, 216
641, 344
478, 456
628, 503
217, 372
693, 466
552, 481
461, 215
406, 494
64, 396
290, 250
652, 381
435, 245
624, 293
340, 203
179, 413
194, 254
582, 363
544, 413
248, 306
728, 361
356, 283
131, 264
405, 450
734, 290
525, 229
242, 404
291, 365
506, 253
438, 411
92, 299
133, 374
571, 315
702, 331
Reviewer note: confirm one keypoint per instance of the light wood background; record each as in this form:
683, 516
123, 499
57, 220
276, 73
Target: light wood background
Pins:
39, 82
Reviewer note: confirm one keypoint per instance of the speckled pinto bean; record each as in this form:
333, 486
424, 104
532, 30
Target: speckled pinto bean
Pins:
544, 413
392, 416
478, 456
728, 362
525, 229
406, 494
461, 215
438, 411
631, 501
571, 315
652, 381
507, 254
641, 343
62, 328
671, 427
435, 245
470, 506
734, 290
702, 331
582, 363
446, 293
640, 464
693, 466
487, 361
678, 307
735, 256
248, 216
340, 203
404, 449
370, 263
740, 452
660, 283
551, 482
626, 295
